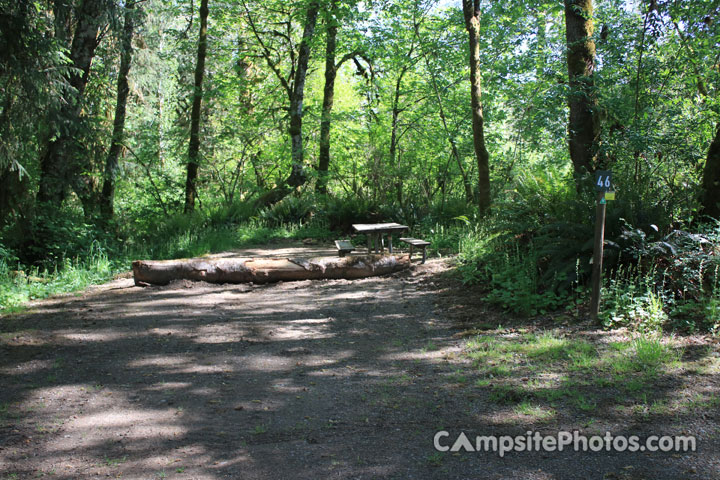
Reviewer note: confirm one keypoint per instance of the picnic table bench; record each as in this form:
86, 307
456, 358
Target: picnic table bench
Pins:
344, 247
416, 242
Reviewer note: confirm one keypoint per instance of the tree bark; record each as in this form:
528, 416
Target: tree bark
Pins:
194, 147
107, 200
297, 176
13, 194
396, 111
266, 270
57, 165
583, 127
471, 10
328, 100
710, 198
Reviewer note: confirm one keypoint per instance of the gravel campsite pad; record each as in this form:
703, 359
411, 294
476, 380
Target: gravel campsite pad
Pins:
307, 380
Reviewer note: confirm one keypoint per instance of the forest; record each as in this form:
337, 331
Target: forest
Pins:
168, 129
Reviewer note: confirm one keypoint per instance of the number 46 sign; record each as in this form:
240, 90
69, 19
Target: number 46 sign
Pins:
603, 180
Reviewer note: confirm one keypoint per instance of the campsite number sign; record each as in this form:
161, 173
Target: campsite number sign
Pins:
605, 192
603, 180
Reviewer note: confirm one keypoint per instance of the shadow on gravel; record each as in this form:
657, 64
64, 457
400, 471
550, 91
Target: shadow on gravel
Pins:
306, 380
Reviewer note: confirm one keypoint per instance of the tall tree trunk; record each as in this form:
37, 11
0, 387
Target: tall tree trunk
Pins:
328, 99
396, 110
57, 163
584, 127
107, 199
194, 147
297, 176
710, 199
296, 93
13, 195
395, 126
471, 10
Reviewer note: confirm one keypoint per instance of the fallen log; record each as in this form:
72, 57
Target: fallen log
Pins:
265, 270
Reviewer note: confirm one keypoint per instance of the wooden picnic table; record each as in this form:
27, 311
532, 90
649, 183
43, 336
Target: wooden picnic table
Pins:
375, 231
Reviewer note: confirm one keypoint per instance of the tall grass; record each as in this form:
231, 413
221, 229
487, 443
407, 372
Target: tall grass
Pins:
20, 285
179, 238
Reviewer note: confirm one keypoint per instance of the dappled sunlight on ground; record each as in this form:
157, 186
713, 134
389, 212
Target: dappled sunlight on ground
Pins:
312, 379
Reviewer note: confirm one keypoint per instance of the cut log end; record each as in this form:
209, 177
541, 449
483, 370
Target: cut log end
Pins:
265, 270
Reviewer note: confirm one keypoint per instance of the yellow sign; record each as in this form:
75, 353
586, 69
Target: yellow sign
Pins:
609, 195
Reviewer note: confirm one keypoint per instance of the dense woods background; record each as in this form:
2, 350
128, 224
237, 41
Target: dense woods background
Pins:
172, 128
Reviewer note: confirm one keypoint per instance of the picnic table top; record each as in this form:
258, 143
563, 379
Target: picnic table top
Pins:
378, 227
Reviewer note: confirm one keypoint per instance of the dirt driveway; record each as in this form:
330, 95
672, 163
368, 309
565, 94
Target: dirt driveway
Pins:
298, 380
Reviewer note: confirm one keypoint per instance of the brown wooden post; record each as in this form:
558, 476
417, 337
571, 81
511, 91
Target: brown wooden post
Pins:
598, 255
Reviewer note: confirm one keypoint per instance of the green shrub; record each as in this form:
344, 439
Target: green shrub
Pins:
291, 209
515, 284
634, 301
342, 212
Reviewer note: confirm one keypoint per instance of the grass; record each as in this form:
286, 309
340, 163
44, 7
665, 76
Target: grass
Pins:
534, 411
114, 462
535, 372
19, 285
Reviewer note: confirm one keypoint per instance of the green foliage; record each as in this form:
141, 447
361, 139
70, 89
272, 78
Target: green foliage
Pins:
342, 211
532, 254
291, 209
19, 286
52, 236
672, 275
401, 145
633, 300
515, 284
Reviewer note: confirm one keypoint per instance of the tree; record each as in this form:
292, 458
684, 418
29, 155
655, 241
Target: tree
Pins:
294, 86
328, 97
33, 80
331, 68
471, 11
583, 126
397, 110
58, 165
194, 146
297, 176
698, 35
123, 89
710, 196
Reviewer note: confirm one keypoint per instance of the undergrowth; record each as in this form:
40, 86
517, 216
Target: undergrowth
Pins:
74, 260
533, 255
180, 237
